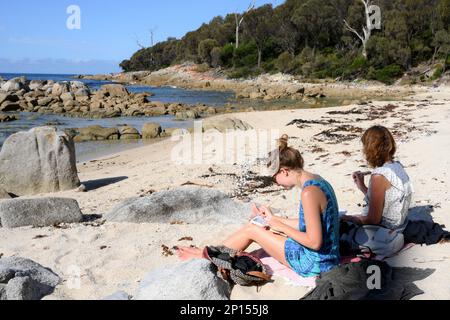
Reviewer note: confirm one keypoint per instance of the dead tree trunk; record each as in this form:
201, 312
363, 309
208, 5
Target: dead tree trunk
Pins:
367, 29
239, 21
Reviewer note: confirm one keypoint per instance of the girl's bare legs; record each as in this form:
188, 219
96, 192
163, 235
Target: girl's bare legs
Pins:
271, 243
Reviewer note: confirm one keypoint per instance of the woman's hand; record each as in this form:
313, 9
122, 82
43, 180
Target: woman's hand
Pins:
267, 214
358, 179
353, 219
255, 211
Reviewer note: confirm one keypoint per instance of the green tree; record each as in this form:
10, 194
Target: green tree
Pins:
204, 50
442, 45
258, 26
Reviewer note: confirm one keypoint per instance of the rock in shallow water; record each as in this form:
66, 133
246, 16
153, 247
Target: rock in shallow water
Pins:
193, 280
224, 124
151, 130
42, 212
187, 204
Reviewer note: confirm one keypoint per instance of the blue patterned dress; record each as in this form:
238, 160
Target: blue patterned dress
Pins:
307, 262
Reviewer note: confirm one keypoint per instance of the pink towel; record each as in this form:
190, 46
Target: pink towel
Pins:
276, 268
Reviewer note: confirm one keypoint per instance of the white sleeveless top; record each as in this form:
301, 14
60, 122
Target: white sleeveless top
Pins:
397, 198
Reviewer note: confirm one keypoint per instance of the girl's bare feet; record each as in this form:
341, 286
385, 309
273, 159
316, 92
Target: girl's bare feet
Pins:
188, 253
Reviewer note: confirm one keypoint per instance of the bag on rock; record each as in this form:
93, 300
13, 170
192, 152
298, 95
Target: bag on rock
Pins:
236, 266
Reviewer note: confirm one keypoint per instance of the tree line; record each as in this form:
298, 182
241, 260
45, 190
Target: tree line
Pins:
314, 39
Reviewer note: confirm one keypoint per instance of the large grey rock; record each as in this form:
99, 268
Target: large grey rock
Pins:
26, 279
23, 288
113, 90
37, 84
193, 280
15, 84
41, 160
78, 85
188, 204
59, 88
224, 124
187, 114
129, 133
40, 212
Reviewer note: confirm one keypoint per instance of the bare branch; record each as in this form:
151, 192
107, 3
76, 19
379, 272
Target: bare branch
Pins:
250, 8
138, 43
353, 30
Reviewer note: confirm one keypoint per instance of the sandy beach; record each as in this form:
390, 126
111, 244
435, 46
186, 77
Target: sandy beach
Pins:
116, 256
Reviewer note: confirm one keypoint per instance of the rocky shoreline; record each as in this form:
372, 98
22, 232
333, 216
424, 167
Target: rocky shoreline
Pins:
75, 99
263, 88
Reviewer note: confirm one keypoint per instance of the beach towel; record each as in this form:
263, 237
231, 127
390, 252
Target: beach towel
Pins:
275, 268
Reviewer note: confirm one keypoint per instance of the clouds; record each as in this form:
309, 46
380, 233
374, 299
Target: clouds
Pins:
58, 66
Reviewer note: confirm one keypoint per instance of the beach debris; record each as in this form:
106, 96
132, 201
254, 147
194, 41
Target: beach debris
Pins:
300, 123
177, 222
61, 226
345, 153
317, 149
82, 188
104, 247
186, 239
200, 184
166, 251
146, 193
331, 136
347, 112
40, 236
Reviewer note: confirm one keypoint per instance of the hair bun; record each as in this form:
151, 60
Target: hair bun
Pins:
283, 142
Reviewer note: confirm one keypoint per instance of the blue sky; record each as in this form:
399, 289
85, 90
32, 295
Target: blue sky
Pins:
34, 37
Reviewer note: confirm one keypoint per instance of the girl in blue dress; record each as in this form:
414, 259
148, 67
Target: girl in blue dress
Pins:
311, 244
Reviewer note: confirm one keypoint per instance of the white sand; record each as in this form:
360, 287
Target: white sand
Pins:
133, 250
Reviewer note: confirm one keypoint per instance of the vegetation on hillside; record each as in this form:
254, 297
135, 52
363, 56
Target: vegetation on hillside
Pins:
309, 38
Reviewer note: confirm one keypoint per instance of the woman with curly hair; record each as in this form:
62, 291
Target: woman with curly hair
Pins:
389, 193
